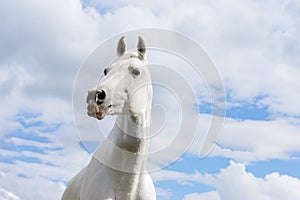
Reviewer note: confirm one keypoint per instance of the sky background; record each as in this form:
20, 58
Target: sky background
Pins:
254, 44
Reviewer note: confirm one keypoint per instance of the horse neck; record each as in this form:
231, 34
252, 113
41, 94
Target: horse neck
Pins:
130, 134
126, 147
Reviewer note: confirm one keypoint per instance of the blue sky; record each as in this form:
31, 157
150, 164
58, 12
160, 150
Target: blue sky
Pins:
254, 44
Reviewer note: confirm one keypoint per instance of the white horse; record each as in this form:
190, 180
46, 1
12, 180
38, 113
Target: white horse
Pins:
118, 167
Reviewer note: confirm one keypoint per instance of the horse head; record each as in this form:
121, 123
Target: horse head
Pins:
125, 87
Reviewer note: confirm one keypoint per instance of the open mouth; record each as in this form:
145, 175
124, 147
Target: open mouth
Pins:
100, 115
96, 111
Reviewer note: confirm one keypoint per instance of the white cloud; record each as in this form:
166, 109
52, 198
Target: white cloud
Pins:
253, 140
33, 187
42, 47
254, 46
203, 196
163, 194
6, 195
250, 140
46, 41
181, 177
33, 173
8, 153
235, 183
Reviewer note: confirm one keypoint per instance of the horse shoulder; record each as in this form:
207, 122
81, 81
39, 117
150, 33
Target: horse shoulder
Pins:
72, 191
146, 189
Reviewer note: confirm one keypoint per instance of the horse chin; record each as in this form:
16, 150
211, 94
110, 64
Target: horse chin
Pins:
100, 116
101, 113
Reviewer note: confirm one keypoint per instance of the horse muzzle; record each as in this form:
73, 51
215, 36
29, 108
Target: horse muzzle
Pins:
94, 110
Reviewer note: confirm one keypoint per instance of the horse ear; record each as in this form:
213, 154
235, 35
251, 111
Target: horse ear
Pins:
121, 48
141, 47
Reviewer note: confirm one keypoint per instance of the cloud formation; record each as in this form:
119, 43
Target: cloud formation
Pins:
235, 183
6, 195
255, 46
203, 196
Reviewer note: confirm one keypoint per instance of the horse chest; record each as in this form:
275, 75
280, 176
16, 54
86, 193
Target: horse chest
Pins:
102, 182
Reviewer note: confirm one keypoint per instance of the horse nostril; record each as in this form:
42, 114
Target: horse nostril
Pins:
100, 96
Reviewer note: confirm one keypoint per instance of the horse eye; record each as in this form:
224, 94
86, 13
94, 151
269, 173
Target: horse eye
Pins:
135, 72
105, 72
